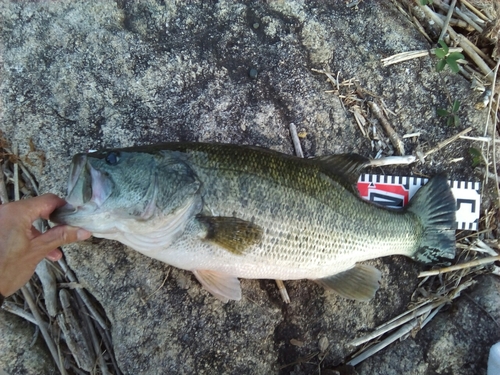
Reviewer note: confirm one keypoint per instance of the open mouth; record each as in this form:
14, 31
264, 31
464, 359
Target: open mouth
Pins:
88, 189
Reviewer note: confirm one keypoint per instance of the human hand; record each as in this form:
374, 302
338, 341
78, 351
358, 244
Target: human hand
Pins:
22, 246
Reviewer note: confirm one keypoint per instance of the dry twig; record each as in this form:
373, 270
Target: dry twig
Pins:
391, 133
447, 20
446, 142
474, 263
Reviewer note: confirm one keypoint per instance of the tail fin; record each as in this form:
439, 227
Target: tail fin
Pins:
435, 205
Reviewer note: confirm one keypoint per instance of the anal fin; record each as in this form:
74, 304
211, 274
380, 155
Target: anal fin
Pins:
223, 286
358, 283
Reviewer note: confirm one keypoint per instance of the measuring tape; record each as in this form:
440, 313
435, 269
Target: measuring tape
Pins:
396, 192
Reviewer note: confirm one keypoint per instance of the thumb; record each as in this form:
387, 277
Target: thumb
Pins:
58, 236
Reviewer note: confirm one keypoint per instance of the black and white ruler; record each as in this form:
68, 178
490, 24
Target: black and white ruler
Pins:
396, 192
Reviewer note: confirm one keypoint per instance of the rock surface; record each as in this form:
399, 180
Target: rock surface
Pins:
81, 75
21, 348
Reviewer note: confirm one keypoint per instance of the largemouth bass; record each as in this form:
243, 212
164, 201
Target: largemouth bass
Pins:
224, 211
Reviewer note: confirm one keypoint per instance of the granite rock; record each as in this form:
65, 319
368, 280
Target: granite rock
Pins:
81, 75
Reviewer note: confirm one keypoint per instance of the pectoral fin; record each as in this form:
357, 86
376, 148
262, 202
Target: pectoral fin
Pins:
359, 283
221, 285
231, 233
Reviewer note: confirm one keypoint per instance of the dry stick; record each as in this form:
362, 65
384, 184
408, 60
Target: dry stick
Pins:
16, 310
16, 179
409, 55
296, 141
283, 291
409, 326
71, 327
430, 316
23, 168
463, 42
393, 136
329, 76
4, 197
447, 19
447, 142
479, 56
360, 120
420, 28
376, 348
30, 178
42, 325
413, 19
461, 266
490, 106
70, 275
479, 139
396, 323
107, 343
494, 130
95, 342
478, 246
48, 281
459, 23
476, 11
461, 14
403, 56
411, 135
393, 160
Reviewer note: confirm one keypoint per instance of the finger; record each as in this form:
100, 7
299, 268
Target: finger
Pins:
35, 232
58, 236
41, 206
54, 255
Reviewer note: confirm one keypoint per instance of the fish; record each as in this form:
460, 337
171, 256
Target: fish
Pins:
226, 212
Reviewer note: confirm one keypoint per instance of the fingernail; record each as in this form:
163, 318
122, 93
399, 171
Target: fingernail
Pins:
82, 234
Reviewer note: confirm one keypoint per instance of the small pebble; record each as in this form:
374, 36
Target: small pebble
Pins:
302, 134
296, 342
252, 73
323, 344
256, 25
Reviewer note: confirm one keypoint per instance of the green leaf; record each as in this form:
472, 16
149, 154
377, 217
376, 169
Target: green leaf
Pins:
456, 120
450, 121
456, 106
456, 56
440, 65
440, 53
474, 152
453, 65
444, 46
442, 112
476, 156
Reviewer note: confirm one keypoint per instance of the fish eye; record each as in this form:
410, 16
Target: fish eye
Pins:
112, 158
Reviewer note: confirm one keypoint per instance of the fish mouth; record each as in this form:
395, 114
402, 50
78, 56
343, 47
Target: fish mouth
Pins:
88, 188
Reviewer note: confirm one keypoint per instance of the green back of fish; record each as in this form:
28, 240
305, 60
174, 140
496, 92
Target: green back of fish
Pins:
308, 209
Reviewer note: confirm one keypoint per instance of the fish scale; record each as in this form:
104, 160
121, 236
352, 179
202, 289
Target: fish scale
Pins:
226, 211
308, 231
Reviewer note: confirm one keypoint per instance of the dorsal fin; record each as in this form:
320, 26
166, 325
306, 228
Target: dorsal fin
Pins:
346, 166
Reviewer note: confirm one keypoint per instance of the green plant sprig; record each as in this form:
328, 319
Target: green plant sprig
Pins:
452, 115
447, 58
